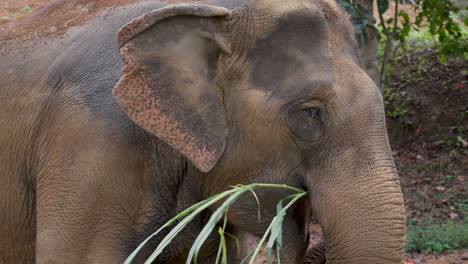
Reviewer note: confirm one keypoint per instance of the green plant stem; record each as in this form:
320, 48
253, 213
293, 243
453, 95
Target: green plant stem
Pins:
388, 44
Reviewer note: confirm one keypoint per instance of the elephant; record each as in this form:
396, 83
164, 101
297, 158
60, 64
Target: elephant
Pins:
116, 115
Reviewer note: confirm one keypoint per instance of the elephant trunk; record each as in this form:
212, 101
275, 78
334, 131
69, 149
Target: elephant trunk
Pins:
356, 197
362, 225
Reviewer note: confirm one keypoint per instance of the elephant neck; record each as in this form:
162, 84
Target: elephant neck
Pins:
175, 185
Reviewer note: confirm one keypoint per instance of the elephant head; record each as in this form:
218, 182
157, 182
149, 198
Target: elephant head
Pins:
271, 91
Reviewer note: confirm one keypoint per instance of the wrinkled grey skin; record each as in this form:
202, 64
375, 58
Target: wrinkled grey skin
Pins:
88, 169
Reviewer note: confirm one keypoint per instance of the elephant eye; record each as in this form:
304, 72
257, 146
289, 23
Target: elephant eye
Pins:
314, 113
306, 123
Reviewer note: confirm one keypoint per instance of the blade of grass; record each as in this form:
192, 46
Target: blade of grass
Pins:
218, 255
259, 217
222, 242
279, 207
253, 254
278, 258
278, 186
279, 240
237, 242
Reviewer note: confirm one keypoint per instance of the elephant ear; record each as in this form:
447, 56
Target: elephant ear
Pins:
168, 84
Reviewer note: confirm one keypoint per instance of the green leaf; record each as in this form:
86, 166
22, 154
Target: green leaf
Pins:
26, 9
405, 17
389, 21
382, 6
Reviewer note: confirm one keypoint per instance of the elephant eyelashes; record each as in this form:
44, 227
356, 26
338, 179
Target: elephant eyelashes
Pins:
315, 113
306, 124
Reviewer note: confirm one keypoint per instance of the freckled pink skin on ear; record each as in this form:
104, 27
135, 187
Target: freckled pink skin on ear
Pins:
134, 96
157, 94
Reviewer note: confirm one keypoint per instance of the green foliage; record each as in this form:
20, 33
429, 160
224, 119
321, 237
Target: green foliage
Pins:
396, 105
433, 238
273, 232
463, 205
26, 9
6, 19
416, 165
361, 19
421, 39
436, 15
454, 142
382, 6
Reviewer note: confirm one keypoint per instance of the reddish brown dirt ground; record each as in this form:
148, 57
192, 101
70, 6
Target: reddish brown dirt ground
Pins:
433, 177
14, 11
428, 128
429, 139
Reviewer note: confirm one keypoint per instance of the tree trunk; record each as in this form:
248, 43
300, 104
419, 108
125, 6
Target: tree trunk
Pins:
368, 51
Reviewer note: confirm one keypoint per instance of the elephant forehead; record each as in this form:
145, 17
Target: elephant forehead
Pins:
292, 58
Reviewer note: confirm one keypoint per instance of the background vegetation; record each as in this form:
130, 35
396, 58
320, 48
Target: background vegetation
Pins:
422, 54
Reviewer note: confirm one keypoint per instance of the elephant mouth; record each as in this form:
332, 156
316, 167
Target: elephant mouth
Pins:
314, 247
252, 241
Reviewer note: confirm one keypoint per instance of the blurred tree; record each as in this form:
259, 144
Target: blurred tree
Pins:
436, 15
368, 50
